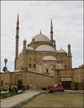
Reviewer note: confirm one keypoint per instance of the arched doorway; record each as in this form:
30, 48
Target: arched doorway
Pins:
20, 84
66, 83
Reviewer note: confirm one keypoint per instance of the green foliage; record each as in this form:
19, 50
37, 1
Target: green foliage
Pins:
44, 88
13, 90
4, 89
23, 88
5, 95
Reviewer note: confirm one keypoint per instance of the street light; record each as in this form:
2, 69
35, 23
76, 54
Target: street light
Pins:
5, 68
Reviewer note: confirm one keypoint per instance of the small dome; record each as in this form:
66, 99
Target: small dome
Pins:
62, 51
30, 48
48, 58
40, 37
45, 48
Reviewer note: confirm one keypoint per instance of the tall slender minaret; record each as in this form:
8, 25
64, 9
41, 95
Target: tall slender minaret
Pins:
51, 31
17, 36
17, 39
69, 57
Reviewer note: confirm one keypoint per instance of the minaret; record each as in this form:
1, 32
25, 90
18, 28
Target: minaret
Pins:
69, 57
24, 55
17, 36
51, 31
17, 39
40, 32
69, 50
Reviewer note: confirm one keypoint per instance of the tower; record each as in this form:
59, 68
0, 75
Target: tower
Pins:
24, 56
51, 36
69, 57
17, 39
51, 32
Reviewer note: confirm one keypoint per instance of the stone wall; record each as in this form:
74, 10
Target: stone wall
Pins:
29, 78
38, 80
5, 78
76, 74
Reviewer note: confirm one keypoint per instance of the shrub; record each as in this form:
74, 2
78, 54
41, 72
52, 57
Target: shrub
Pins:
44, 88
4, 89
4, 96
13, 90
23, 88
10, 89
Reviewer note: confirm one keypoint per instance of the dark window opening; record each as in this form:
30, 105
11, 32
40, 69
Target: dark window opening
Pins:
46, 70
2, 83
54, 66
29, 65
65, 66
34, 65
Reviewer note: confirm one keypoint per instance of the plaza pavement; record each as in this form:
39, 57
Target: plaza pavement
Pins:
15, 100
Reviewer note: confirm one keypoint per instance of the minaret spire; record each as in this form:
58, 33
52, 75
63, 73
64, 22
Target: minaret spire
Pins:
51, 31
51, 23
17, 36
40, 32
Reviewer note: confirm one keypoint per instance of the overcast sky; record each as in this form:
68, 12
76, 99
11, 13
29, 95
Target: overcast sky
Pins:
34, 16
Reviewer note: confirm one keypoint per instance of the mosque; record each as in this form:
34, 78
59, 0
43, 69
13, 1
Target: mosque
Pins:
40, 64
41, 54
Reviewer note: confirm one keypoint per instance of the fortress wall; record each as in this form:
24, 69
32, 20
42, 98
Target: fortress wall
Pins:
5, 78
77, 75
39, 80
29, 78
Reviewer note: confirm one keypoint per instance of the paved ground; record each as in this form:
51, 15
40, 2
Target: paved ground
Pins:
12, 101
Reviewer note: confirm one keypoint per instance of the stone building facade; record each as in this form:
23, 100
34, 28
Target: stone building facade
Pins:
41, 54
40, 64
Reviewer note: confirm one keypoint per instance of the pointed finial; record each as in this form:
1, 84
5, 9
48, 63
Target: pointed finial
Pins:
51, 22
18, 18
40, 31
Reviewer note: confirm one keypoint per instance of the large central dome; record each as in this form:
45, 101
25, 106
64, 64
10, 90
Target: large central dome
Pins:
41, 37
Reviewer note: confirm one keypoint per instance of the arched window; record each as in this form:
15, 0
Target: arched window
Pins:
46, 70
2, 83
34, 65
65, 66
29, 65
54, 66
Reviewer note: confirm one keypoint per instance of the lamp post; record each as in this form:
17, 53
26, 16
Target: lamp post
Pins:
5, 68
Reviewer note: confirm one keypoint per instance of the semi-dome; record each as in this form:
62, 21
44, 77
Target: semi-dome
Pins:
30, 48
40, 37
45, 48
48, 58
